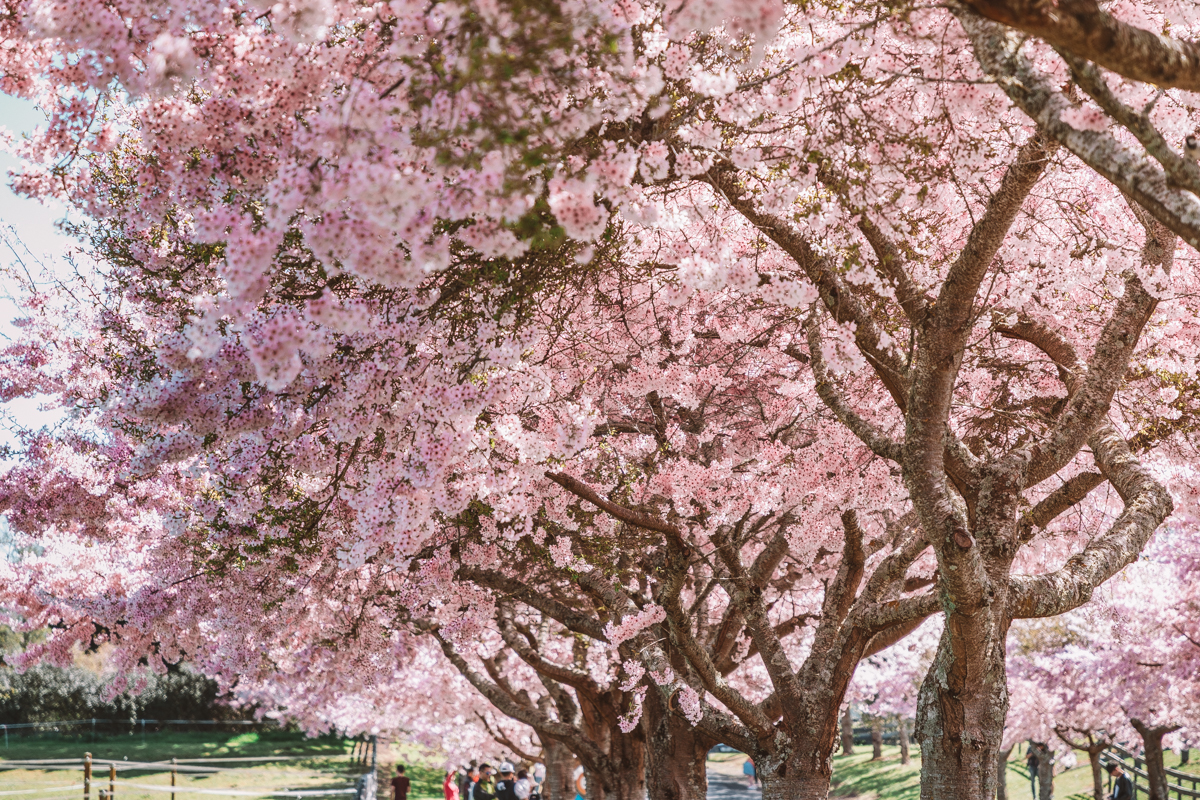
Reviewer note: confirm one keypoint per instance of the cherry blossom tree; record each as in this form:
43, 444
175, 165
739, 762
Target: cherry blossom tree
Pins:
377, 270
1116, 671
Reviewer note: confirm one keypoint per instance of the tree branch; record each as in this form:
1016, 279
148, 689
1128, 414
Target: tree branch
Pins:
999, 53
636, 518
880, 443
1147, 504
1083, 29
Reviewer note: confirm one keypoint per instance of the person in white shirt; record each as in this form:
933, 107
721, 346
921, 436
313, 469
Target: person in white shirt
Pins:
523, 786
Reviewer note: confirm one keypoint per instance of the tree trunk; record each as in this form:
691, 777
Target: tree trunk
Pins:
876, 739
1097, 777
1156, 771
962, 707
847, 732
903, 740
1045, 771
676, 755
793, 786
1183, 756
1002, 774
559, 765
622, 783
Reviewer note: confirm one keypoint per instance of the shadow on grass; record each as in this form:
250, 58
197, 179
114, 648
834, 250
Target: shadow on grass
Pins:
858, 776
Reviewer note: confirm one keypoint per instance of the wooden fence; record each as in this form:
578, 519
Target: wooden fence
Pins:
1135, 766
365, 753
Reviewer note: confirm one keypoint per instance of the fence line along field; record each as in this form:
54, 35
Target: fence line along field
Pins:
207, 763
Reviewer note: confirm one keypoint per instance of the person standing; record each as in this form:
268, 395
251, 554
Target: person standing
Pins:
506, 784
580, 781
478, 788
539, 780
523, 786
1032, 763
464, 780
450, 785
1122, 786
400, 784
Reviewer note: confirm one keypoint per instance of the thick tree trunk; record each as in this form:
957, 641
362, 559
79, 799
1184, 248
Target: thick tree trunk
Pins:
876, 739
559, 765
1002, 774
1156, 771
847, 732
904, 758
676, 755
794, 787
962, 707
621, 783
1183, 756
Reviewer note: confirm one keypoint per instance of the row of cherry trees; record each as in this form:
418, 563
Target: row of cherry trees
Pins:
649, 367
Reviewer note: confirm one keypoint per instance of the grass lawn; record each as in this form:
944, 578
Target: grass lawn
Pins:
317, 763
858, 776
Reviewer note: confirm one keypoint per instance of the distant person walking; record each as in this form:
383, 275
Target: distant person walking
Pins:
1032, 763
1122, 786
400, 784
751, 772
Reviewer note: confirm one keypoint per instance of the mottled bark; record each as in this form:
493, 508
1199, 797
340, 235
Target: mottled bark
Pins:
1097, 776
904, 755
876, 739
1083, 29
1152, 752
998, 50
1002, 773
793, 785
676, 755
847, 732
559, 763
962, 708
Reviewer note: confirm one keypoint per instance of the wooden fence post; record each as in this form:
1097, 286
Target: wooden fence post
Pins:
112, 780
87, 775
174, 771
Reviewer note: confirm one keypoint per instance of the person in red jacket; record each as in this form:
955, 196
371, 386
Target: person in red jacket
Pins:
450, 786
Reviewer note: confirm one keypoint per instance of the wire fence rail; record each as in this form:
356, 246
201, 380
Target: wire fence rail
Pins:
365, 753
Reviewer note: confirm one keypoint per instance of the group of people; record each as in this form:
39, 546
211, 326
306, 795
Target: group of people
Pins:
485, 782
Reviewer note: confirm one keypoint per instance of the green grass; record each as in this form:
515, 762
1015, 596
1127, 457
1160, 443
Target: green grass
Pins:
424, 769
858, 776
317, 763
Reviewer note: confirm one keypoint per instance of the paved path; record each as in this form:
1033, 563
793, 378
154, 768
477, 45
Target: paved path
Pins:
723, 787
